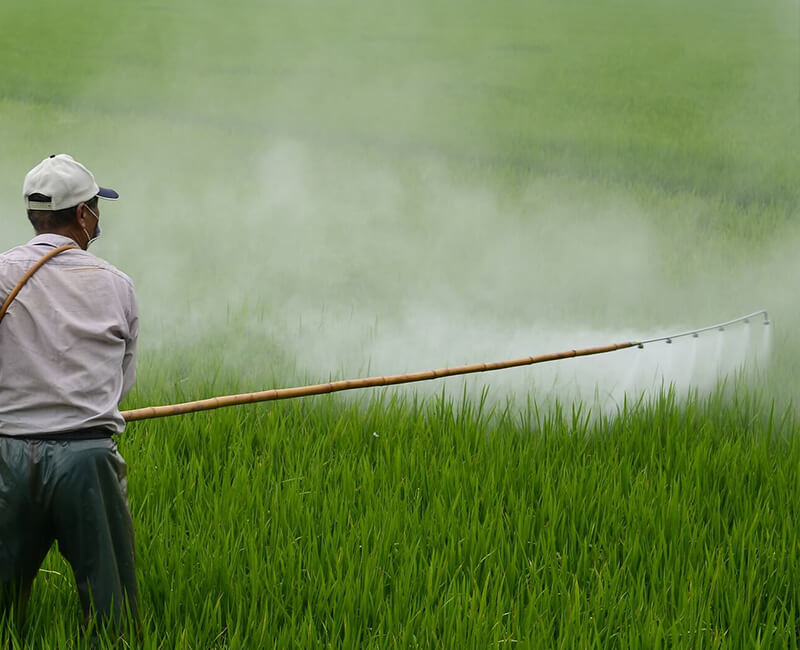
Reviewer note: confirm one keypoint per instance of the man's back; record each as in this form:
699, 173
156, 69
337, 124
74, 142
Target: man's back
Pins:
67, 343
67, 357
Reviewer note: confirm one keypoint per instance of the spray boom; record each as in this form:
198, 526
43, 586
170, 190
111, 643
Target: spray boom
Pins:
392, 380
719, 327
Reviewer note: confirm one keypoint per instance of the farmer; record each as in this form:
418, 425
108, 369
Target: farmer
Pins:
67, 358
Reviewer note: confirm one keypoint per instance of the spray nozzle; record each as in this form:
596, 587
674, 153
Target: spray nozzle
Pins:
719, 327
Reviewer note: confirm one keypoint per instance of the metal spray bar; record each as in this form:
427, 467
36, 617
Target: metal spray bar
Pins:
719, 327
393, 380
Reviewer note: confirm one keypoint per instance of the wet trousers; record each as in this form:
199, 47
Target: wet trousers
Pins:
73, 492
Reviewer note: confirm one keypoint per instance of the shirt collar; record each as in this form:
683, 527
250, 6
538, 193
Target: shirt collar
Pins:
52, 239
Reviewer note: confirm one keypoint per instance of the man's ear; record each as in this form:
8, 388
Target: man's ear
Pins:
80, 214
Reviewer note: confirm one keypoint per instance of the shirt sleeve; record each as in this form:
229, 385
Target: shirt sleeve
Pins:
129, 360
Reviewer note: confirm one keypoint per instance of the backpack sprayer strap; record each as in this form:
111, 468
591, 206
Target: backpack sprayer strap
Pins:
39, 263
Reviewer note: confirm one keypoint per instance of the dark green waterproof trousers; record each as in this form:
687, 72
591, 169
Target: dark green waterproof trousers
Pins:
73, 492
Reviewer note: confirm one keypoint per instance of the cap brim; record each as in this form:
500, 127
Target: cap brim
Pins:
108, 193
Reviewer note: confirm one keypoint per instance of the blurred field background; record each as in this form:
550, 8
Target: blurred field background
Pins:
324, 189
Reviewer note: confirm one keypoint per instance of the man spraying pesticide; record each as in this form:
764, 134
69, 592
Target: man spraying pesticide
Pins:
67, 357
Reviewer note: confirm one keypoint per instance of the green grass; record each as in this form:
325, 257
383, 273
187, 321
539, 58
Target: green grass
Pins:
658, 140
400, 523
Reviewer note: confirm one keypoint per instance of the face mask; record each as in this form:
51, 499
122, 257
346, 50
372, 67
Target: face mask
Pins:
96, 228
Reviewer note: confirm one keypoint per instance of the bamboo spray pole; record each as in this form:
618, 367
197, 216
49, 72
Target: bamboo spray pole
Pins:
150, 412
351, 384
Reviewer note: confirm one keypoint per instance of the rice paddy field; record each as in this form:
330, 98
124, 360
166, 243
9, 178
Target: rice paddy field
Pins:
317, 190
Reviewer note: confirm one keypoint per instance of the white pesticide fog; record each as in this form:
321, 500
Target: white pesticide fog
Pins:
314, 191
312, 262
351, 265
687, 364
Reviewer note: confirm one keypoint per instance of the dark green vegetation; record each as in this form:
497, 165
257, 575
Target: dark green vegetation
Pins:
436, 522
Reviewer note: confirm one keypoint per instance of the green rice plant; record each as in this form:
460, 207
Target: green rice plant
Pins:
453, 518
399, 523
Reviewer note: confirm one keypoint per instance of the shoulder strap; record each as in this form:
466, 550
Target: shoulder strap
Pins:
39, 263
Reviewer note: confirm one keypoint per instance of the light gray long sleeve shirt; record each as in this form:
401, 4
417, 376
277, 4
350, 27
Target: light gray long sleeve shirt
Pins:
67, 343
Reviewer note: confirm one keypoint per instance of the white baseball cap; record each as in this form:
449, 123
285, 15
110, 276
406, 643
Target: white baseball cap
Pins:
64, 181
